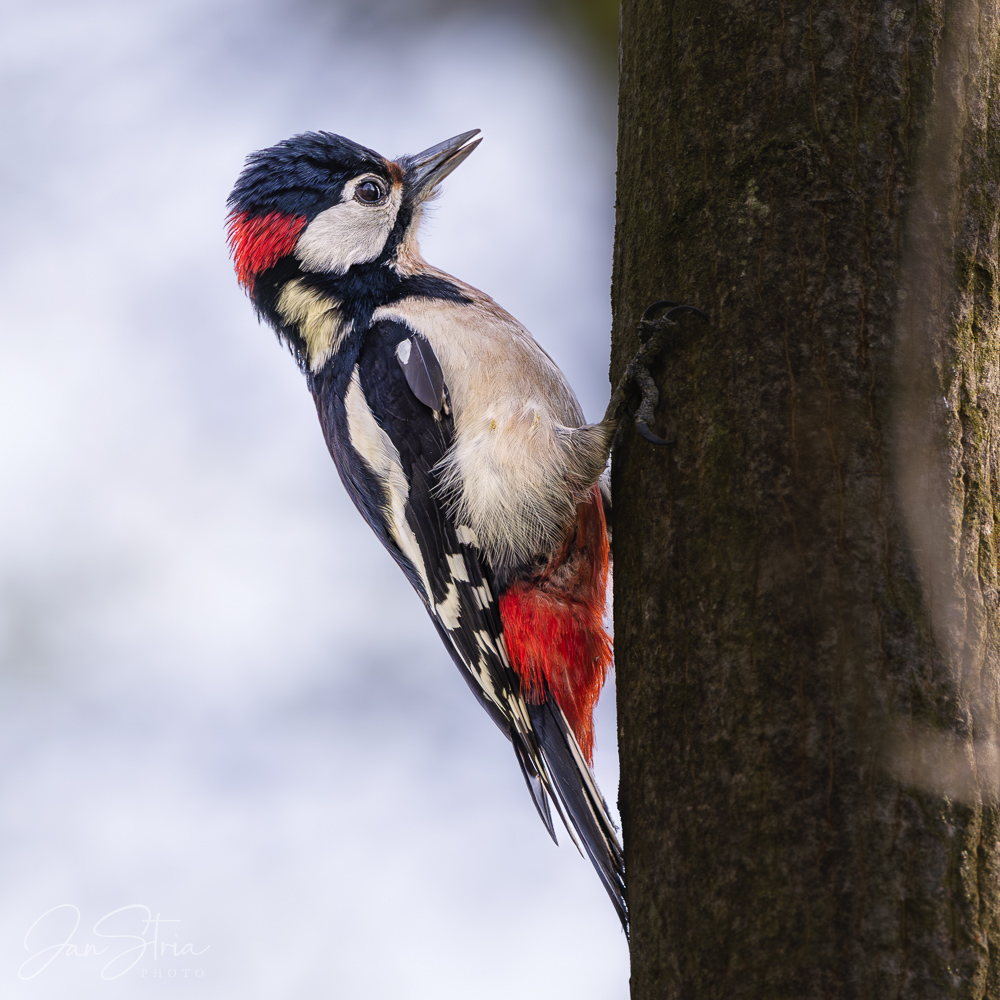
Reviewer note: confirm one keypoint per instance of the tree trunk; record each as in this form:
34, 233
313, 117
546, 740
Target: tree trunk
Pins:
806, 612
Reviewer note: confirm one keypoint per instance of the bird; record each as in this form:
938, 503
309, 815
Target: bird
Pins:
460, 442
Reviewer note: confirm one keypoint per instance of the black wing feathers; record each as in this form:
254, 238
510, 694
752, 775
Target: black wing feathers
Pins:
422, 370
464, 610
404, 388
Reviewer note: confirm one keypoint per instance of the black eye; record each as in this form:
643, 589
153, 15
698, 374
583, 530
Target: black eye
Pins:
368, 192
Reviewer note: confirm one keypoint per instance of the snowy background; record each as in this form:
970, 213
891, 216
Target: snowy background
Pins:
220, 701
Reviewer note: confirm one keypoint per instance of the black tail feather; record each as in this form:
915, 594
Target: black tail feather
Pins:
581, 799
535, 786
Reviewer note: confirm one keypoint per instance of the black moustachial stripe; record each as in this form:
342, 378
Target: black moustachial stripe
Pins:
360, 292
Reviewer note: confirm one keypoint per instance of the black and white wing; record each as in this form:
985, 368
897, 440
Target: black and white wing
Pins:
388, 423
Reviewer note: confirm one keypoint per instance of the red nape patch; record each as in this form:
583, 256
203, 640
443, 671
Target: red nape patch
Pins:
260, 241
552, 624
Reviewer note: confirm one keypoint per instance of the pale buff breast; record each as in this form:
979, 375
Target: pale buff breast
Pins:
518, 466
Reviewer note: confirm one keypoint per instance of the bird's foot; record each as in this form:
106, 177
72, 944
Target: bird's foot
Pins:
653, 331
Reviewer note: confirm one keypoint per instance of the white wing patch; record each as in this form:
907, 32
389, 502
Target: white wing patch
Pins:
485, 642
376, 448
450, 609
466, 535
482, 671
510, 703
458, 569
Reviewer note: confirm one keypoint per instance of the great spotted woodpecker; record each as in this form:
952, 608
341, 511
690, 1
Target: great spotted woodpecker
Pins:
458, 439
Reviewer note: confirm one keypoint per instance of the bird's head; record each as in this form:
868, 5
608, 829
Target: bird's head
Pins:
319, 203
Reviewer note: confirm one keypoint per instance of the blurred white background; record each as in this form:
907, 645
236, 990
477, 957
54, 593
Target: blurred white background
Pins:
219, 698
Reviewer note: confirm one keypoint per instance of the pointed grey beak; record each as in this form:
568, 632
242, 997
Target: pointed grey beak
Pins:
426, 170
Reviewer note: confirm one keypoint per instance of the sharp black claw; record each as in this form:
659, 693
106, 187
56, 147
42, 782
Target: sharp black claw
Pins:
652, 338
640, 426
684, 309
662, 304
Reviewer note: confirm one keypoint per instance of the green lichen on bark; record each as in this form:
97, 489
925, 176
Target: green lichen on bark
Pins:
806, 610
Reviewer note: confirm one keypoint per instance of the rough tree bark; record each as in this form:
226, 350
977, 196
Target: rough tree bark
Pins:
806, 610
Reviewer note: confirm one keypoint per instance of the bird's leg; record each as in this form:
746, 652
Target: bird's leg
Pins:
652, 339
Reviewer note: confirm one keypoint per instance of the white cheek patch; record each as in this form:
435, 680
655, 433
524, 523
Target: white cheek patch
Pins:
376, 448
348, 233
